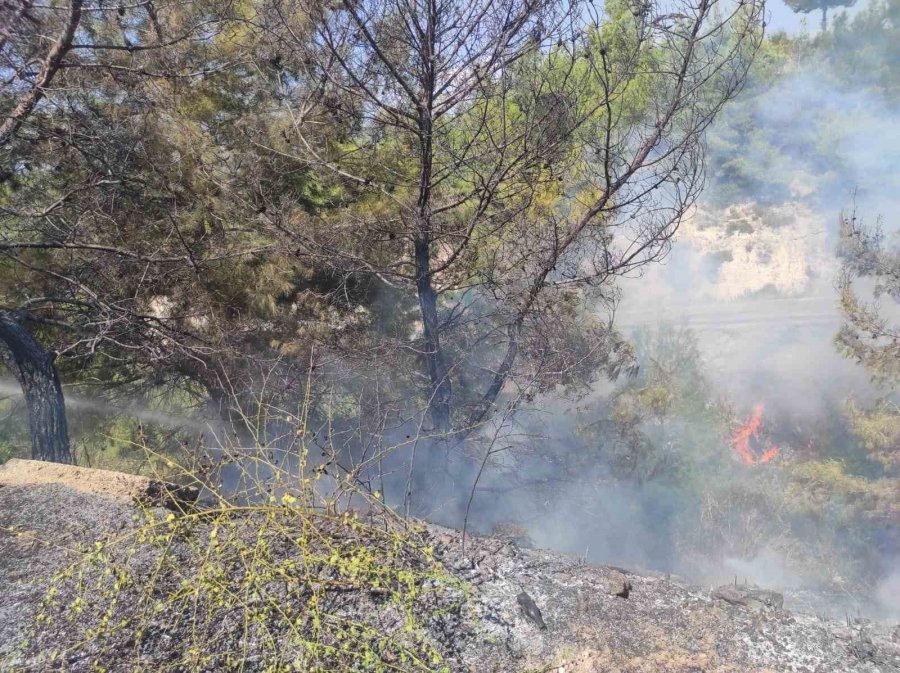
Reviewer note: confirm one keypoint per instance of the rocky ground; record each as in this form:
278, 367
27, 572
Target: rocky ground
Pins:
595, 618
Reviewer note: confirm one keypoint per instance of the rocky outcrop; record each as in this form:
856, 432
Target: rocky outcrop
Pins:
751, 248
596, 618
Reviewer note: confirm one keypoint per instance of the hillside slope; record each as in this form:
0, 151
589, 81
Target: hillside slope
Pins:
598, 619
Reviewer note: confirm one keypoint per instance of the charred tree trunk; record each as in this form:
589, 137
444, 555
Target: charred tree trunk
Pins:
441, 391
33, 366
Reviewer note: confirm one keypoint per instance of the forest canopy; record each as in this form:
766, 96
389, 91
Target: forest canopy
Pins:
437, 193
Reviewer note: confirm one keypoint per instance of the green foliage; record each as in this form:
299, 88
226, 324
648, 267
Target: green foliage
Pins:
14, 436
747, 160
865, 49
8, 451
878, 431
807, 6
763, 151
666, 422
866, 335
824, 489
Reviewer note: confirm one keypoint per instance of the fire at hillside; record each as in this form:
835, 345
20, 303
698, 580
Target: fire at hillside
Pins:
749, 446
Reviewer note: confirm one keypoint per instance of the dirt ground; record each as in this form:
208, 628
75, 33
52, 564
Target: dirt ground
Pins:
17, 472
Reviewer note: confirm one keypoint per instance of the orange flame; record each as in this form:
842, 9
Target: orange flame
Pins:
740, 439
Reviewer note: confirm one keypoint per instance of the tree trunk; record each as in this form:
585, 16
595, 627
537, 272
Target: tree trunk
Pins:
34, 367
824, 20
439, 403
441, 389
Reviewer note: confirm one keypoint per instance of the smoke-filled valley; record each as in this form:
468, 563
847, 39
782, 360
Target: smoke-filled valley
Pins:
743, 315
618, 281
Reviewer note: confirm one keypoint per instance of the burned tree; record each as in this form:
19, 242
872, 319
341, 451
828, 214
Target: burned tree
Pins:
34, 369
508, 161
